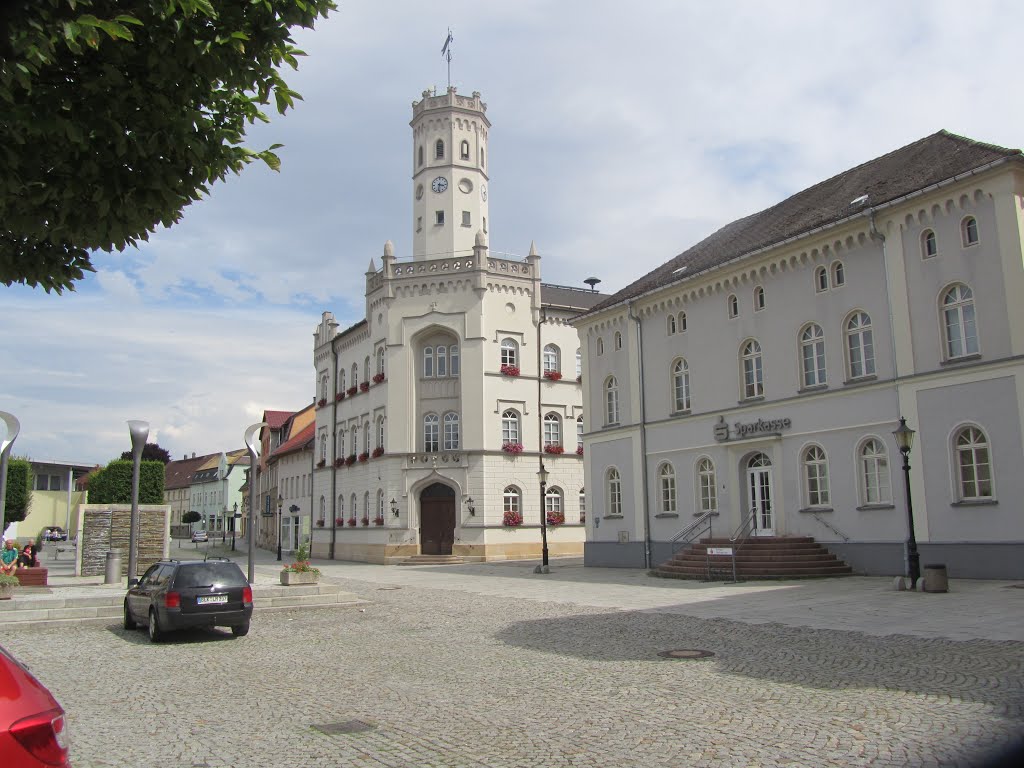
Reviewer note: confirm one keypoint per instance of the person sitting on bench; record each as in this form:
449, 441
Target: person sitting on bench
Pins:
27, 558
8, 558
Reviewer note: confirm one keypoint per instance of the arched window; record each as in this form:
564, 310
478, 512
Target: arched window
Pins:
579, 364
341, 506
341, 379
380, 361
600, 345
820, 279
430, 428
323, 508
324, 389
706, 486
482, 157
510, 501
613, 485
551, 359
667, 488
611, 401
553, 503
464, 150
974, 465
680, 386
366, 437
323, 447
552, 430
420, 155
815, 477
439, 150
510, 427
758, 299
874, 473
681, 322
838, 274
753, 372
618, 340
354, 507
428, 362
929, 244
339, 443
442, 360
583, 505
509, 352
671, 325
969, 231
355, 375
366, 504
451, 431
366, 370
380, 432
355, 440
812, 356
453, 359
380, 504
860, 346
734, 305
579, 434
958, 322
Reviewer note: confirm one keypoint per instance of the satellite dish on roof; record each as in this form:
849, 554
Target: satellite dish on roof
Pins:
592, 281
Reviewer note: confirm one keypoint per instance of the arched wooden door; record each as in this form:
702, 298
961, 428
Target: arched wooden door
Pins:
437, 520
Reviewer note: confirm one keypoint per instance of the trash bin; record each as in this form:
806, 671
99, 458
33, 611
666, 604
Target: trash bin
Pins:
935, 579
113, 572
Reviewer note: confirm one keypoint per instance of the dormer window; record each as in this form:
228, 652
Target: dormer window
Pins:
464, 150
439, 150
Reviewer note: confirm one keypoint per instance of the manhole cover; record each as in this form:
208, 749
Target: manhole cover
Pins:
686, 653
349, 726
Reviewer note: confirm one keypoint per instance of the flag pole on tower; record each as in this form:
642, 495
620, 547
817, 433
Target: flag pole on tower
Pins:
446, 51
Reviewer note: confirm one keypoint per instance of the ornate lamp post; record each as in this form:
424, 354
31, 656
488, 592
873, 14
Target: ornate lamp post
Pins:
139, 431
280, 503
543, 475
905, 440
224, 525
394, 507
13, 427
234, 525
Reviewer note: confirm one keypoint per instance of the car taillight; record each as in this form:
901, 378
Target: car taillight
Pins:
172, 600
44, 736
246, 594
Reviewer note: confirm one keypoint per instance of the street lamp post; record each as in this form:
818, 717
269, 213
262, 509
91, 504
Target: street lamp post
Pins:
139, 431
280, 503
905, 440
543, 475
13, 427
234, 525
250, 436
224, 526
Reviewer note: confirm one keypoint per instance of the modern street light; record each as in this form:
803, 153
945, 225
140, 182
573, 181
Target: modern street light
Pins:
139, 431
905, 440
13, 427
250, 434
234, 525
543, 475
280, 503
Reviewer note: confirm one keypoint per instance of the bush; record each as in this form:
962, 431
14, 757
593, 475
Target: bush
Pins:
113, 483
19, 491
189, 517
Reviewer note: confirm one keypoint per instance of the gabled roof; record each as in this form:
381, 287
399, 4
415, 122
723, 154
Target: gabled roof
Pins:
276, 419
178, 474
941, 157
301, 441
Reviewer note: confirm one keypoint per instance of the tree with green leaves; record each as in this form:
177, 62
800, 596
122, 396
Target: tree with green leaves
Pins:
117, 114
151, 452
191, 517
113, 483
18, 492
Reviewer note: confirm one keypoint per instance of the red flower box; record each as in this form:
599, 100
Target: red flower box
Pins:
364, 456
352, 390
320, 523
556, 518
378, 521
512, 447
339, 521
366, 521
555, 449
579, 450
510, 370
579, 378
322, 463
364, 387
339, 397
512, 519
351, 522
378, 378
321, 403
350, 460
553, 375
339, 462
377, 453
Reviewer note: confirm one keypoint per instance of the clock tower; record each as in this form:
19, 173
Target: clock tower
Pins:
449, 177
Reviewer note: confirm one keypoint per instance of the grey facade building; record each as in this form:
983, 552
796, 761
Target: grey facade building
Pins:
762, 372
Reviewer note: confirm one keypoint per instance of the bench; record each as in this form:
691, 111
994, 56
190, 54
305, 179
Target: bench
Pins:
31, 577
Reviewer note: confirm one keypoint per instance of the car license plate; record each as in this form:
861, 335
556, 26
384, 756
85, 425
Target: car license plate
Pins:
212, 599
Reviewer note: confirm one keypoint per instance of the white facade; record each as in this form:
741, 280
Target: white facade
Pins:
423, 439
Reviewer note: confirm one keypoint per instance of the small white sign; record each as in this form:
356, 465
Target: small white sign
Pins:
719, 550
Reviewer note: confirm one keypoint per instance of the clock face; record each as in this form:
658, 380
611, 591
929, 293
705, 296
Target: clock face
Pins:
440, 184
483, 193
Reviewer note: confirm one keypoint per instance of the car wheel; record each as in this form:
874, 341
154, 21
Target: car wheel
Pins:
240, 630
155, 634
129, 622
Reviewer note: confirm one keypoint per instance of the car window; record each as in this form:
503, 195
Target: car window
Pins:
147, 577
203, 574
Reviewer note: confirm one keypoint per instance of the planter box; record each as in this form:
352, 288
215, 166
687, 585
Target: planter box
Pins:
288, 577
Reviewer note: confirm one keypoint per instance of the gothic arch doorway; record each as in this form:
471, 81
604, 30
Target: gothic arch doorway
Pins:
437, 520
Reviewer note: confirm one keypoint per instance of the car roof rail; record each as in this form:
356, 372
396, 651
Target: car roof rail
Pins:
217, 557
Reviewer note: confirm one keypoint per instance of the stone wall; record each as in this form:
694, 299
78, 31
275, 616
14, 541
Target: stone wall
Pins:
103, 527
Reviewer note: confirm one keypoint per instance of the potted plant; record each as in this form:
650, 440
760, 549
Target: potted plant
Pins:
556, 518
322, 463
510, 370
379, 520
351, 522
364, 456
555, 449
512, 519
378, 378
7, 585
352, 390
339, 397
553, 375
364, 386
339, 462
321, 403
579, 450
300, 572
339, 522
378, 452
512, 447
366, 521
320, 523
350, 460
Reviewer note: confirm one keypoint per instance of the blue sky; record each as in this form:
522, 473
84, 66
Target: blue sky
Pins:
622, 134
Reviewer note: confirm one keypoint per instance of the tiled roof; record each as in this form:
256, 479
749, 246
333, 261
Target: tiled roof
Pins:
178, 474
567, 296
928, 161
276, 419
297, 443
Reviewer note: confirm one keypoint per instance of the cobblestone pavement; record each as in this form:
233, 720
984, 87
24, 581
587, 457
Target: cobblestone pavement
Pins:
456, 678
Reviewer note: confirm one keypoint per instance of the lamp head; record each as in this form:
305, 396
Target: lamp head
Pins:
543, 474
904, 437
470, 507
394, 507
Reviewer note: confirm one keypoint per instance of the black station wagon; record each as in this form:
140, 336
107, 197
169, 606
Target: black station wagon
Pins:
181, 594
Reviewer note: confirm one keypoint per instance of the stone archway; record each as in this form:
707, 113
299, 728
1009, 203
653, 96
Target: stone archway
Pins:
437, 519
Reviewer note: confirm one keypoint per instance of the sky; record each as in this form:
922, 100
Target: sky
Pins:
622, 134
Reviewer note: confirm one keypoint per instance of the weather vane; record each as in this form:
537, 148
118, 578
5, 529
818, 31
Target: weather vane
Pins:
446, 51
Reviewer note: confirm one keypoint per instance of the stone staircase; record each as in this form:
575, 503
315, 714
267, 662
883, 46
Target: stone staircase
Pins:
432, 560
780, 557
40, 609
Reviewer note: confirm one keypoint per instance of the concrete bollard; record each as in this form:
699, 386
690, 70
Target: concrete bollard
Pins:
113, 572
935, 579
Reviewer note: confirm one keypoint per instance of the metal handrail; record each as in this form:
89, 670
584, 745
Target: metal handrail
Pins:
831, 527
692, 531
745, 529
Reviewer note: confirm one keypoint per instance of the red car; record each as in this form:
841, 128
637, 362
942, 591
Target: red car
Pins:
33, 732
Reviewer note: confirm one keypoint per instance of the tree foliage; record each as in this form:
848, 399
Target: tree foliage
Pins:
191, 517
117, 114
150, 452
113, 483
18, 491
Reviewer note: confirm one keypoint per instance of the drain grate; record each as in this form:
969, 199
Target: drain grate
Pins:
343, 728
686, 653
